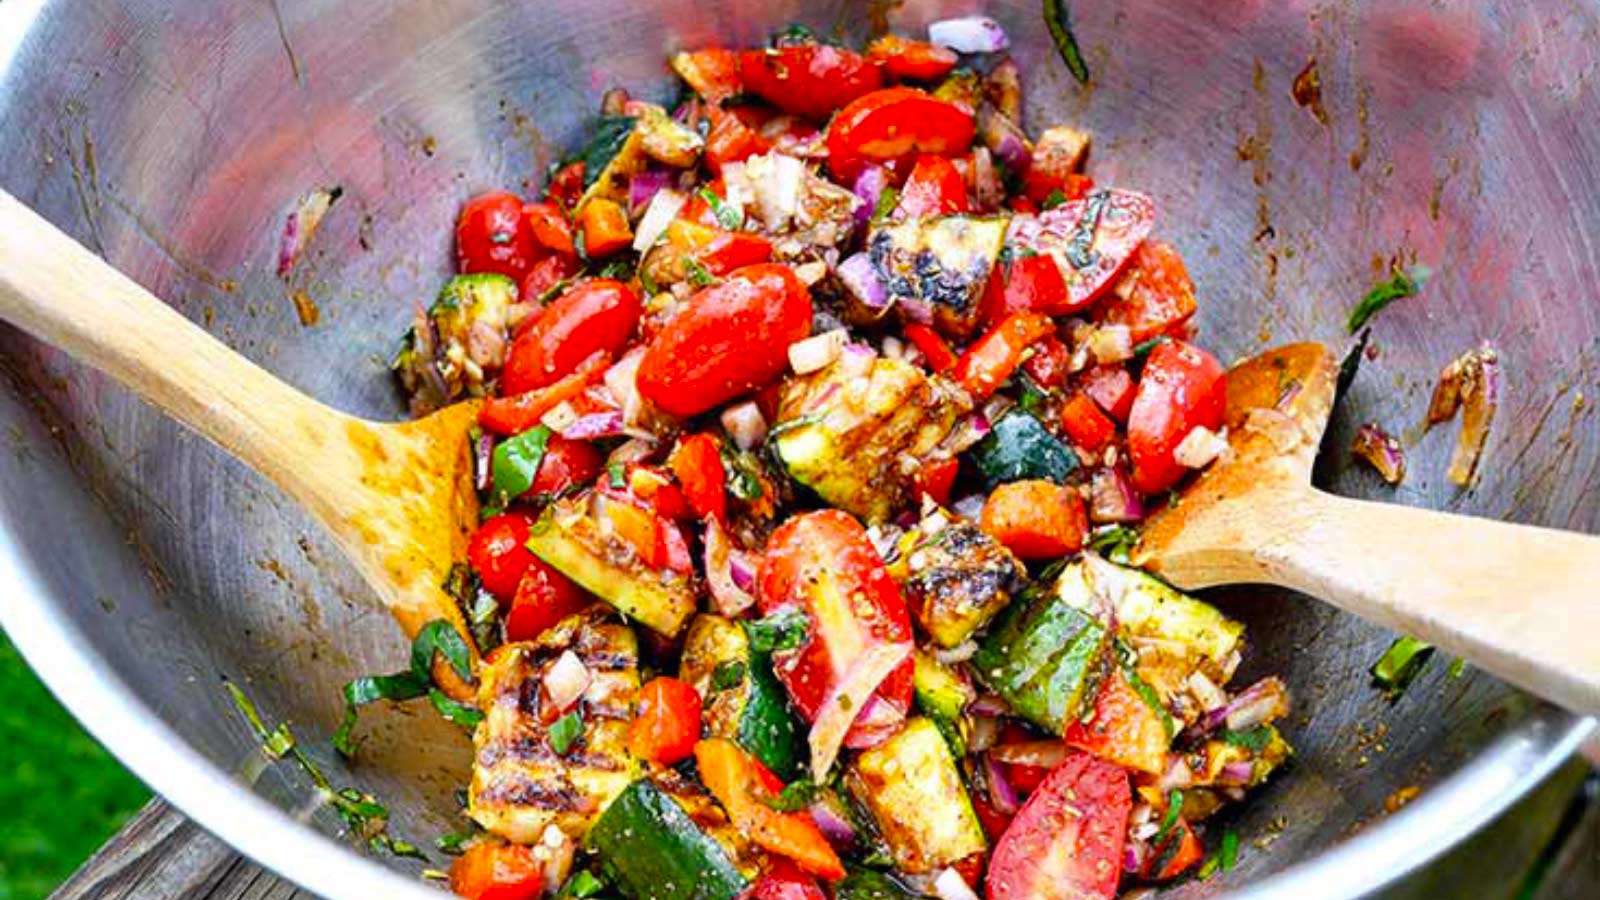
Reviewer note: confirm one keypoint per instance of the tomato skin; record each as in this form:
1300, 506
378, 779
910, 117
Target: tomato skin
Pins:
697, 463
566, 186
499, 553
991, 359
891, 123
936, 477
713, 73
516, 414
732, 138
594, 316
938, 354
783, 880
654, 487
1083, 421
994, 822
823, 564
489, 871
1121, 221
1188, 853
491, 236
566, 464
550, 228
1156, 296
1122, 729
544, 275
666, 723
732, 338
1035, 519
719, 250
544, 597
903, 59
1111, 388
1182, 388
743, 785
810, 80
1066, 842
1029, 284
935, 187
1049, 363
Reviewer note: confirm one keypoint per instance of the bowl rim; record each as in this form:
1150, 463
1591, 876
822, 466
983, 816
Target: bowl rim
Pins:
1445, 814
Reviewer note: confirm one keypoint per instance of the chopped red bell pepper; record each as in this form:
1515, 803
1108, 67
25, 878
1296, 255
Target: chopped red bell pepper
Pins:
1036, 519
935, 187
491, 871
936, 477
605, 228
1049, 362
697, 463
940, 357
544, 597
514, 415
904, 59
1083, 421
991, 359
1111, 388
741, 783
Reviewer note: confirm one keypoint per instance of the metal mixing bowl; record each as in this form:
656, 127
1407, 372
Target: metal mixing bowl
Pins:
141, 567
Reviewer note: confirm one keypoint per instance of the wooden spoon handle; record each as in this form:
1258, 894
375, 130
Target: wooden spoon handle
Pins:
1518, 601
54, 288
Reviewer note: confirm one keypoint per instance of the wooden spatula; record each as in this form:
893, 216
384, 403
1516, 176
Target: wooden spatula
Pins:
398, 498
1515, 600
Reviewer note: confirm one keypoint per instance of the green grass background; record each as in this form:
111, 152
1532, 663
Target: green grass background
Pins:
61, 794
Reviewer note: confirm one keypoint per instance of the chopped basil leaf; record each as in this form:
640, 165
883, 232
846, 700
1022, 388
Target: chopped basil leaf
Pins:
698, 276
459, 713
454, 844
1406, 282
619, 268
794, 797
1458, 667
783, 630
727, 215
1254, 739
1229, 853
484, 618
795, 35
279, 742
1054, 199
648, 283
728, 674
742, 481
617, 474
887, 201
1059, 20
442, 638
565, 732
1114, 542
1079, 249
1401, 664
583, 883
609, 136
1149, 696
1174, 807
1143, 348
516, 463
553, 291
369, 689
437, 638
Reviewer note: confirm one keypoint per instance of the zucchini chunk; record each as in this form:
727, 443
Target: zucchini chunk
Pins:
942, 694
912, 789
520, 783
744, 701
650, 849
1046, 653
855, 431
956, 579
460, 344
569, 537
1020, 448
936, 269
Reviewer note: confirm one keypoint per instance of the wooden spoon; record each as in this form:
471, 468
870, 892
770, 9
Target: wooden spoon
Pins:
398, 498
1513, 599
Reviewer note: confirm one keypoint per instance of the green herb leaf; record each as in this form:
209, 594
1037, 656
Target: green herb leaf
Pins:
619, 268
698, 275
442, 638
783, 630
369, 689
1174, 807
583, 883
727, 215
565, 732
1079, 248
454, 844
1405, 283
605, 142
742, 481
887, 201
279, 742
1229, 853
1058, 18
1143, 348
1401, 664
459, 713
728, 675
648, 282
1458, 667
617, 474
516, 462
1114, 542
1054, 199
794, 797
1145, 691
794, 35
1254, 739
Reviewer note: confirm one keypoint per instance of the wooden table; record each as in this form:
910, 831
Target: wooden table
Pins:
1547, 847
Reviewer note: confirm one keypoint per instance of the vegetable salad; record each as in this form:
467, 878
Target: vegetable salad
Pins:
820, 409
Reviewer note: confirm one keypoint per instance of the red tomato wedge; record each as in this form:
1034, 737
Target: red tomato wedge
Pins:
810, 80
594, 316
490, 871
935, 187
1156, 296
566, 464
697, 464
732, 337
1174, 854
492, 236
741, 784
666, 723
904, 59
822, 564
1182, 388
1092, 241
514, 415
894, 122
544, 597
1066, 841
1028, 284
1123, 728
783, 880
499, 553
992, 358
1111, 388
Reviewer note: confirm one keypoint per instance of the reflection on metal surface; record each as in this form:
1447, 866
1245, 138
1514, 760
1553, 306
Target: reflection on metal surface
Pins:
175, 137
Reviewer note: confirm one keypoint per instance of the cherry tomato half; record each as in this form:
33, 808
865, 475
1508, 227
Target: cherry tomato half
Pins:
566, 464
666, 723
1156, 296
891, 123
598, 315
544, 597
810, 80
1182, 388
490, 871
492, 236
935, 187
733, 337
904, 59
499, 552
1066, 841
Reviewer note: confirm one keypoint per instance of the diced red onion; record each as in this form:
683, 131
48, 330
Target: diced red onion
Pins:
835, 827
1238, 772
1001, 794
949, 885
916, 309
983, 733
595, 425
1130, 859
1111, 344
968, 430
635, 450
847, 700
1178, 775
1205, 690
745, 424
1113, 499
483, 461
989, 705
969, 34
664, 206
817, 352
1199, 448
643, 188
743, 567
969, 507
727, 596
566, 680
869, 187
878, 722
1005, 139
1043, 754
301, 225
1380, 450
560, 417
623, 383
1263, 701
860, 277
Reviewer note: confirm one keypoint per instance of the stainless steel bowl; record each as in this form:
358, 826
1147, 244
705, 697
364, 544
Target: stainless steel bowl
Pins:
141, 567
